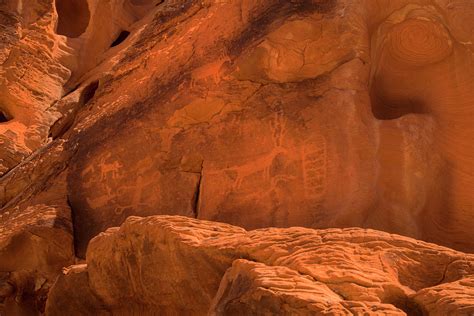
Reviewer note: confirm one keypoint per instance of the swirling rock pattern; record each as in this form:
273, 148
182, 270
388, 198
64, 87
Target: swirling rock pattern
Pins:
169, 265
419, 42
422, 72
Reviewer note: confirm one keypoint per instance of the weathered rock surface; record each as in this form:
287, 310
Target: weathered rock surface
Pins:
255, 113
330, 113
173, 265
251, 288
36, 242
34, 68
453, 298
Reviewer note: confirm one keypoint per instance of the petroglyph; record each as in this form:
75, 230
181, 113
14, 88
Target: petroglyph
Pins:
261, 164
314, 159
278, 123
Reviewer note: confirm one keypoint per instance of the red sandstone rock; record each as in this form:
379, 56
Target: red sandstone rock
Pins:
177, 265
313, 113
454, 298
282, 107
36, 242
251, 288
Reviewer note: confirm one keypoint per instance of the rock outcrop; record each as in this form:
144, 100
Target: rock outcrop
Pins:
171, 265
322, 114
315, 113
34, 68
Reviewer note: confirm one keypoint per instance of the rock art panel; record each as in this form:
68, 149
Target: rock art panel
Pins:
301, 113
269, 113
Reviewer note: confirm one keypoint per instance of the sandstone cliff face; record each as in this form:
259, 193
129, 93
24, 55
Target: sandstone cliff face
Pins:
315, 113
256, 113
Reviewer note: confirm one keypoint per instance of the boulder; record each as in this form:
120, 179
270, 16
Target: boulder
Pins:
178, 265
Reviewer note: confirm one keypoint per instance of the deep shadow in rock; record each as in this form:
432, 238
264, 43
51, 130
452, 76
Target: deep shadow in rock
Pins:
4, 117
73, 17
120, 38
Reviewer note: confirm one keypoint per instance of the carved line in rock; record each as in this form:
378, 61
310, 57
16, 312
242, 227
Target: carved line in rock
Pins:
73, 17
315, 169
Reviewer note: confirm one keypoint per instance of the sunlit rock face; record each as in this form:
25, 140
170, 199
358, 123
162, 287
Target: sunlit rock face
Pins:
326, 114
273, 271
263, 113
46, 45
32, 74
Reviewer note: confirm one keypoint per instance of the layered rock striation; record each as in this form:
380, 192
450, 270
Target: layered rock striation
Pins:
173, 265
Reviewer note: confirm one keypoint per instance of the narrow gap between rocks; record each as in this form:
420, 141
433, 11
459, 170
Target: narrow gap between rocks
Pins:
73, 223
61, 126
144, 2
406, 304
197, 194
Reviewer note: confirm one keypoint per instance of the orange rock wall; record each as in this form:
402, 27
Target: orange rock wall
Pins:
318, 114
256, 113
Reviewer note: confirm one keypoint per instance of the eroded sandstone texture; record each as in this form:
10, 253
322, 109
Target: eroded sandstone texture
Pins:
183, 266
256, 113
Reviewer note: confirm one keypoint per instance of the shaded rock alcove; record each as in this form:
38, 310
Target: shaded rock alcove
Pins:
120, 38
73, 17
4, 117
